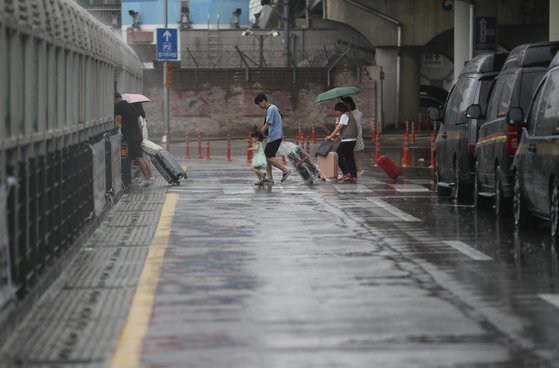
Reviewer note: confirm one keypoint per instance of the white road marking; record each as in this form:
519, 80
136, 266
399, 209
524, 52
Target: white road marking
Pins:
409, 188
552, 299
372, 181
467, 250
422, 181
393, 210
404, 197
351, 188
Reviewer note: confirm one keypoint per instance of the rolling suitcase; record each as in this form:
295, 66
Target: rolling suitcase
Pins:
301, 161
164, 162
389, 167
328, 166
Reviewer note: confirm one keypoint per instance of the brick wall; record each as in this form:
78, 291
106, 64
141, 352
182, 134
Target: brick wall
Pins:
221, 102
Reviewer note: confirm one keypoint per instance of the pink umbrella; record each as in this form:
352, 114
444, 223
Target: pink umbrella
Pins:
134, 97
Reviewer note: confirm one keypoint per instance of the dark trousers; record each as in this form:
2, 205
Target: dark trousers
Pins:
346, 161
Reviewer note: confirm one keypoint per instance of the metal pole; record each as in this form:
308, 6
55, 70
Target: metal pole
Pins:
261, 39
286, 37
166, 92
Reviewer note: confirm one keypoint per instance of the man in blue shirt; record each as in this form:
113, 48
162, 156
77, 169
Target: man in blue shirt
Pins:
274, 125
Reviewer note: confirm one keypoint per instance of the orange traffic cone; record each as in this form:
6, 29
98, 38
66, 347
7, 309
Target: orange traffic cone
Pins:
405, 153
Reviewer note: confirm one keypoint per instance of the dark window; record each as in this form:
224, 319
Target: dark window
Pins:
460, 99
485, 88
500, 100
529, 82
546, 107
535, 107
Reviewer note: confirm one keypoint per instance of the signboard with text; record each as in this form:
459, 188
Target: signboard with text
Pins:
167, 44
486, 33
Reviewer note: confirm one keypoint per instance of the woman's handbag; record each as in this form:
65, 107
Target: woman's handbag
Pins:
326, 147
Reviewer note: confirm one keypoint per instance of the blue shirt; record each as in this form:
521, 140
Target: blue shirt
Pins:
275, 125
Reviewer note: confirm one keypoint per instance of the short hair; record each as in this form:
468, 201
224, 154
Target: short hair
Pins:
349, 101
117, 95
257, 134
340, 106
261, 97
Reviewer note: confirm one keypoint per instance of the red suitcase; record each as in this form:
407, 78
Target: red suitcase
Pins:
328, 166
389, 167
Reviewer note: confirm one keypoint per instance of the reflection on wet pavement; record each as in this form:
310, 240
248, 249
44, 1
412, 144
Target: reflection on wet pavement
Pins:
379, 274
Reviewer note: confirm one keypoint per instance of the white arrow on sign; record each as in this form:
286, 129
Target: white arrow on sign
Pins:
167, 35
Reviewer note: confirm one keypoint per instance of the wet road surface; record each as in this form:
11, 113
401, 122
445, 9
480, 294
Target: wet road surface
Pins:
217, 272
379, 274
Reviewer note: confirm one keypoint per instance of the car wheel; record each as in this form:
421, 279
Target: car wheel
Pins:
436, 179
479, 201
554, 215
500, 202
521, 215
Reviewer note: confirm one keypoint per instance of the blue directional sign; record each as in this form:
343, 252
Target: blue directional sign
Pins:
486, 33
167, 44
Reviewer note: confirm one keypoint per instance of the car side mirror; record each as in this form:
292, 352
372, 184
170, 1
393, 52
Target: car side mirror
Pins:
474, 112
435, 114
515, 116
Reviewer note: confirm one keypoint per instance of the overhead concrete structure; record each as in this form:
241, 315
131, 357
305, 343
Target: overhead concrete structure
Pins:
553, 16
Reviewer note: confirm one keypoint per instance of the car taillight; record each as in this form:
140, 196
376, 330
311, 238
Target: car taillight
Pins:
512, 138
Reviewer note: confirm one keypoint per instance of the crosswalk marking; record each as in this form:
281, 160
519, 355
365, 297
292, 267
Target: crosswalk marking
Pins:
409, 188
467, 250
352, 188
552, 299
393, 210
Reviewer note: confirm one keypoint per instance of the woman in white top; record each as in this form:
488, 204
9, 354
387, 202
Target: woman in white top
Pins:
347, 128
358, 116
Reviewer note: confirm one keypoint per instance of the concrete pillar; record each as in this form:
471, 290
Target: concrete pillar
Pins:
410, 81
462, 35
386, 58
553, 23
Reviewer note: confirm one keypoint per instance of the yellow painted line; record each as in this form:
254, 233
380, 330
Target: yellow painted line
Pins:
491, 139
128, 351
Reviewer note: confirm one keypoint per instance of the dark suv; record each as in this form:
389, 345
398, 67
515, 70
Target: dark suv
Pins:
536, 163
455, 143
498, 140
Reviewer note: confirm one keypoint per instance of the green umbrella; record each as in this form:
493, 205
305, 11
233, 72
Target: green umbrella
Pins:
336, 93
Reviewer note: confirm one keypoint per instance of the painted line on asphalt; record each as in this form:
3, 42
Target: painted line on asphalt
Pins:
552, 299
404, 197
393, 210
409, 188
354, 188
128, 350
467, 250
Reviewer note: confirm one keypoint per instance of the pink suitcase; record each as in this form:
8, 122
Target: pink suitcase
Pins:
328, 166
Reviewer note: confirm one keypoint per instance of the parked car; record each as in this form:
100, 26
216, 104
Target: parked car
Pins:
536, 162
498, 140
455, 142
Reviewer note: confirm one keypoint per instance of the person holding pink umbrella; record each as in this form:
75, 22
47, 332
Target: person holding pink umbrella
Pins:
127, 119
136, 100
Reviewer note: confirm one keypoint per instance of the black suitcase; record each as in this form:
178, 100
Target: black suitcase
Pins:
165, 163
